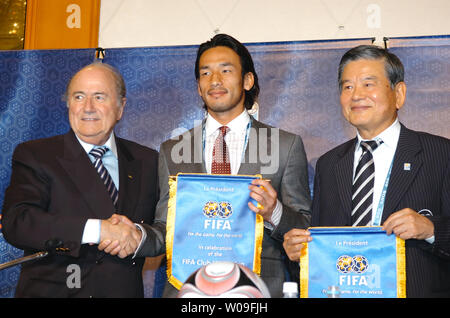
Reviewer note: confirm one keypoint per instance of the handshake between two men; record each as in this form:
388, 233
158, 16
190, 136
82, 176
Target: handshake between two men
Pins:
119, 236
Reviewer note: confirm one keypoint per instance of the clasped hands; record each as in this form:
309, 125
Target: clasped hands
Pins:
119, 236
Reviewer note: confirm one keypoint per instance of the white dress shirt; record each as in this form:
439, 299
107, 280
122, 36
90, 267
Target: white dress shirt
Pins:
383, 157
236, 139
110, 159
92, 228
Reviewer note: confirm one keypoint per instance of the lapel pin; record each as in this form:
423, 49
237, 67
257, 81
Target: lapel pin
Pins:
130, 177
407, 166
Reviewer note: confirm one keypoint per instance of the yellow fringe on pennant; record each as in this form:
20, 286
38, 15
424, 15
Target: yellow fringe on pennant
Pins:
401, 268
304, 271
259, 234
170, 230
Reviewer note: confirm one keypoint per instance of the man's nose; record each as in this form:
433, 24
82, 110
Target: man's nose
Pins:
358, 93
216, 79
89, 105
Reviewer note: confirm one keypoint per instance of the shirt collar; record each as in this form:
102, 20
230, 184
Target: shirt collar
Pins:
389, 136
110, 144
237, 125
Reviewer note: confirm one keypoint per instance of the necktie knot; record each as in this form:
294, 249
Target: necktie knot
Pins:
370, 145
224, 130
98, 152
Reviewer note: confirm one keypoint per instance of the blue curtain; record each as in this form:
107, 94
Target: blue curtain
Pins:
298, 93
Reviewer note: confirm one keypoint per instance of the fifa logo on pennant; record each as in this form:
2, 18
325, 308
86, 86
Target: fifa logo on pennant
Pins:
357, 264
347, 265
217, 214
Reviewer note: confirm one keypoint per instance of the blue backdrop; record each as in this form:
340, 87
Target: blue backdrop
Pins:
298, 93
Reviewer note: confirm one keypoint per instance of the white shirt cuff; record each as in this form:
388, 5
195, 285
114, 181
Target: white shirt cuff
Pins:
430, 240
276, 216
143, 237
91, 233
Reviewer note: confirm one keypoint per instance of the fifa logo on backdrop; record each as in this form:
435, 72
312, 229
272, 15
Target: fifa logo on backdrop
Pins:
356, 271
217, 214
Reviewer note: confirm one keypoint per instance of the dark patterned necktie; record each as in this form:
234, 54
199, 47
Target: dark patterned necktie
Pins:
363, 185
221, 157
98, 153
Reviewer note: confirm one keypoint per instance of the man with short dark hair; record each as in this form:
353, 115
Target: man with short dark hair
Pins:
228, 85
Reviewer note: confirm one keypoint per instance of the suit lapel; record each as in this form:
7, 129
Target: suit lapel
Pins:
129, 180
81, 172
186, 153
344, 174
251, 164
197, 162
406, 153
197, 154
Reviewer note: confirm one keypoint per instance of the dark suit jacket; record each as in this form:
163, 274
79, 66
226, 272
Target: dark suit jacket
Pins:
54, 189
289, 177
425, 186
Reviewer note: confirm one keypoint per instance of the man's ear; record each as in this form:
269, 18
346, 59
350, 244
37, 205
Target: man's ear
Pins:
249, 81
400, 94
122, 106
198, 89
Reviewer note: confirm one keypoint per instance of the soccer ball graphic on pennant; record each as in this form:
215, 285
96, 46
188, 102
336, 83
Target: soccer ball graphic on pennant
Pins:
357, 264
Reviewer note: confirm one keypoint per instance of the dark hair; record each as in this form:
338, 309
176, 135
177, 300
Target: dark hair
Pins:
246, 62
395, 71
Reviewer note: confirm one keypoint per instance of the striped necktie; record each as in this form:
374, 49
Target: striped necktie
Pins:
220, 157
98, 153
363, 185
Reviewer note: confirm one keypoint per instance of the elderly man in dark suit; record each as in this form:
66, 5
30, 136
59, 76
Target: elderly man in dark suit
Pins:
69, 186
410, 183
228, 85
